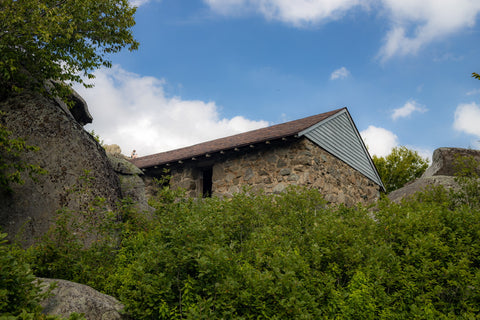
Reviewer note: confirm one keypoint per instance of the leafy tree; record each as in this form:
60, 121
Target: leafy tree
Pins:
60, 40
399, 167
476, 75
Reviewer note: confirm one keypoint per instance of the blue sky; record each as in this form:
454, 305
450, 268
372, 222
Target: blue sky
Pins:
211, 68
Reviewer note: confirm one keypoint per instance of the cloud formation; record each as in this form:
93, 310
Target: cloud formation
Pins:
138, 3
467, 119
410, 107
134, 112
473, 92
340, 73
413, 23
379, 141
299, 13
418, 23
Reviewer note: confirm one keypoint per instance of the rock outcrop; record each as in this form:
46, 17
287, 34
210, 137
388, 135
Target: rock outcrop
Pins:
112, 149
68, 297
420, 184
441, 172
131, 182
78, 170
443, 161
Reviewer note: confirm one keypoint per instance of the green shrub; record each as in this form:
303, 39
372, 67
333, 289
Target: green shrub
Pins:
80, 246
287, 256
20, 292
468, 178
292, 257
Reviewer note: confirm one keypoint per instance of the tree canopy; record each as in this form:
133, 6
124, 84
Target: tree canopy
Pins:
60, 40
399, 167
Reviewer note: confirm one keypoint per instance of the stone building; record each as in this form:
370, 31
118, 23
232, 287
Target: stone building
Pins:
324, 151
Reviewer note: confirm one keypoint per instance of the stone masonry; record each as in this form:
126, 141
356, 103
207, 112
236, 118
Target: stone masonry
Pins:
272, 169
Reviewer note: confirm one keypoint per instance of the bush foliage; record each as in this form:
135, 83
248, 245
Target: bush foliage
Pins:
20, 292
287, 256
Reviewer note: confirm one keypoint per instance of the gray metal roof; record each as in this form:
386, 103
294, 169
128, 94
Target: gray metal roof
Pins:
339, 136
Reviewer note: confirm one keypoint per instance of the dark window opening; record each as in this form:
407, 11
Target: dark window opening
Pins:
207, 182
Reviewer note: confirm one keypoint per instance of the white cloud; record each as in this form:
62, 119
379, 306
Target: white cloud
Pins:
135, 113
340, 73
138, 3
298, 13
467, 119
228, 7
473, 92
379, 141
409, 107
418, 23
413, 23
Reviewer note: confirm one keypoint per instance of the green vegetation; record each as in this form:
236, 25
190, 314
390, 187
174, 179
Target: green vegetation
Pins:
63, 41
97, 137
59, 40
399, 167
20, 292
287, 256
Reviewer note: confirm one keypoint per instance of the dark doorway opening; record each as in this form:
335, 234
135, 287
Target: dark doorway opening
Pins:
207, 182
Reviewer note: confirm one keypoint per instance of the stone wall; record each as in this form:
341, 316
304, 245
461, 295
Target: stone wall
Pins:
273, 168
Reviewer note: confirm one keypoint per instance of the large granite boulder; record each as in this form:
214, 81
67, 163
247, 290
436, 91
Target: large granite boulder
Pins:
78, 108
441, 172
131, 182
112, 149
69, 297
421, 184
444, 161
78, 170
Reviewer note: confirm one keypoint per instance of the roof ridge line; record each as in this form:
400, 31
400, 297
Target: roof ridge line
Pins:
272, 132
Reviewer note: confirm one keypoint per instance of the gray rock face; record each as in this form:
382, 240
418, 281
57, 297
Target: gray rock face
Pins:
441, 172
420, 185
131, 182
69, 297
443, 161
122, 165
78, 168
79, 110
112, 149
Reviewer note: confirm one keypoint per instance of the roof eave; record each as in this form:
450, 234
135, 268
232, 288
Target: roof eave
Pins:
197, 156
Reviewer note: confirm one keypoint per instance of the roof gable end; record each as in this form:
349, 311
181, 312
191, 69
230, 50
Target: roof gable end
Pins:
339, 136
